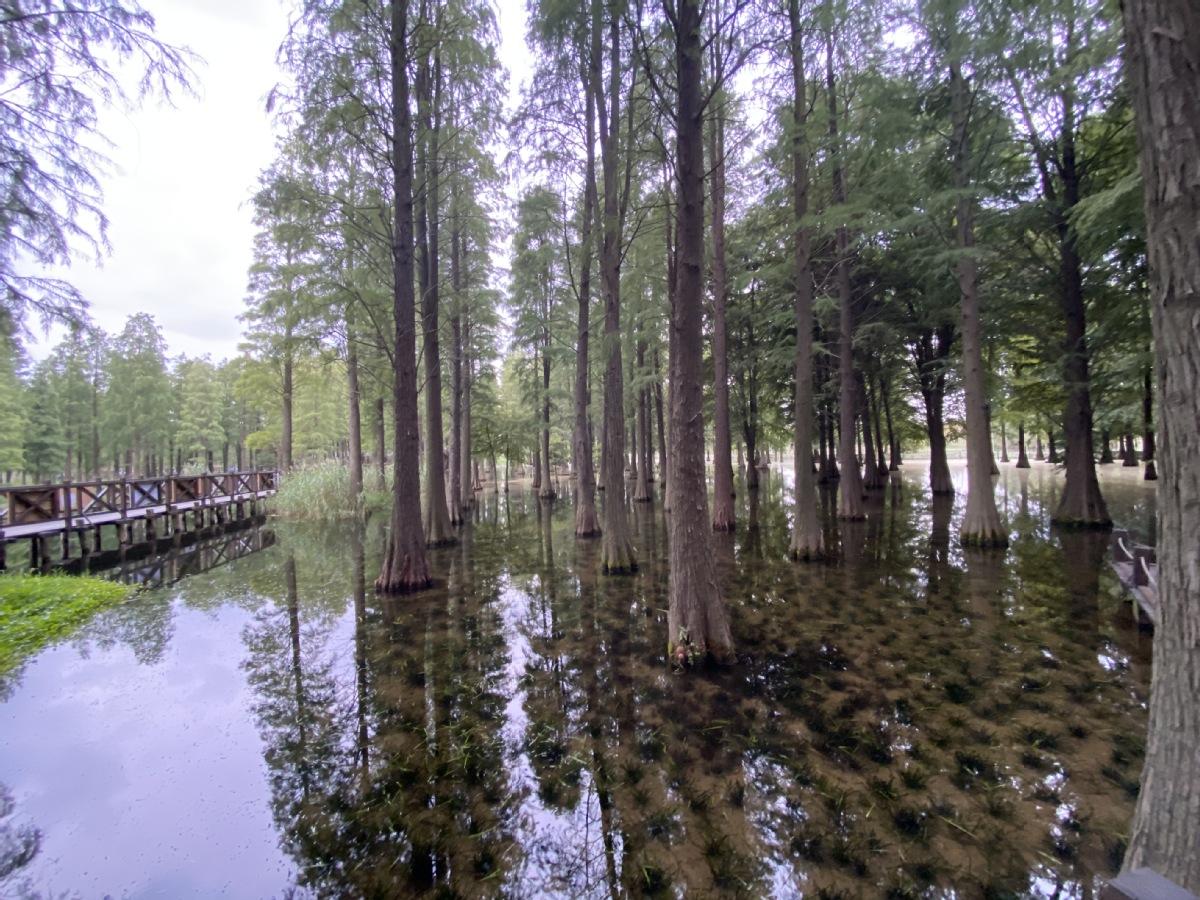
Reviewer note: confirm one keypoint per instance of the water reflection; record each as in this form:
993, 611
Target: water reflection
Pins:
905, 719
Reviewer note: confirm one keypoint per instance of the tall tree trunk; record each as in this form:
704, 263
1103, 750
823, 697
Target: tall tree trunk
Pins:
355, 411
697, 623
1148, 426
1081, 502
641, 493
1041, 453
616, 548
547, 483
405, 567
850, 495
1022, 459
981, 525
438, 530
1163, 64
724, 518
1003, 441
1053, 457
871, 479
381, 442
881, 463
807, 538
658, 415
1106, 455
285, 431
939, 468
464, 462
587, 524
1131, 459
894, 460
455, 502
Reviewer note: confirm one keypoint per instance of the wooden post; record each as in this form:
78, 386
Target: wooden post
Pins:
98, 544
35, 551
3, 552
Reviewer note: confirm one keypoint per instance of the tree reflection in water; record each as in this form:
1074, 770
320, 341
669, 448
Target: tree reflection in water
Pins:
907, 718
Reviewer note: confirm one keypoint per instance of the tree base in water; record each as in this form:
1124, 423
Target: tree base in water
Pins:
984, 539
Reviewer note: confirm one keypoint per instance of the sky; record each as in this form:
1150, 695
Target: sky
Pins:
177, 198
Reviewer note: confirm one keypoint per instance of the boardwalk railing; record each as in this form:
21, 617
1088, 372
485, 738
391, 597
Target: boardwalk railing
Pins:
1137, 567
36, 511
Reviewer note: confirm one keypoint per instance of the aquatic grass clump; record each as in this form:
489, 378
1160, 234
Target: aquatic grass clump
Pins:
321, 493
38, 610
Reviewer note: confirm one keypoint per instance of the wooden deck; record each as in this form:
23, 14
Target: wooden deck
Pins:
1137, 567
38, 512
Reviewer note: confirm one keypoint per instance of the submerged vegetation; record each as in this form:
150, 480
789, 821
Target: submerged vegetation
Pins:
38, 610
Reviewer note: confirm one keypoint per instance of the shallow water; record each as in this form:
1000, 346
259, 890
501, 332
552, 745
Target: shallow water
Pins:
913, 720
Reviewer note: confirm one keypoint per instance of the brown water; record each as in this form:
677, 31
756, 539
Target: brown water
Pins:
912, 720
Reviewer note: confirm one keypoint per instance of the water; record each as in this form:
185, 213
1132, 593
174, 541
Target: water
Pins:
914, 720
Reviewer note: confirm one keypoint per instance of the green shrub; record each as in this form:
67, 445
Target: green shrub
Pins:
37, 610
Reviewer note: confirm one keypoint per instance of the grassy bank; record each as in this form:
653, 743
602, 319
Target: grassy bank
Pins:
37, 610
321, 492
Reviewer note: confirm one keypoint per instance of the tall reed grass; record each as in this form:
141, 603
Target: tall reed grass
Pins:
321, 492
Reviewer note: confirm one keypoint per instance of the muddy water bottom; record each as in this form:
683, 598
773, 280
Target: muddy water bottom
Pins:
910, 720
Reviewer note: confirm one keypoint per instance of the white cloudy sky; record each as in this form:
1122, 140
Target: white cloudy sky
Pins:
177, 199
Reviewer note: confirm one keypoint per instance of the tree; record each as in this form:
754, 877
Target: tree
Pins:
697, 623
12, 412
405, 567
45, 443
807, 539
1163, 60
58, 69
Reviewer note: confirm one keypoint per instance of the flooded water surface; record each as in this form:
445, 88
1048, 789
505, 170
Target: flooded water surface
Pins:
911, 720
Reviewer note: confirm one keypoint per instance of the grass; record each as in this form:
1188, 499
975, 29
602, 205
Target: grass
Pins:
37, 610
321, 492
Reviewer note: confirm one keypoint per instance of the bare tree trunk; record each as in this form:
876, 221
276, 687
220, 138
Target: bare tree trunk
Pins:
881, 463
1106, 456
1148, 426
807, 538
850, 495
697, 623
464, 462
658, 415
547, 491
1041, 453
1022, 459
405, 567
616, 548
355, 411
724, 518
981, 523
641, 492
1163, 64
894, 461
381, 442
939, 468
438, 530
587, 524
1081, 502
1131, 459
455, 502
285, 431
872, 481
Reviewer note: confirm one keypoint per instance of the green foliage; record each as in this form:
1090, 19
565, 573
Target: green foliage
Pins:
319, 492
45, 444
39, 610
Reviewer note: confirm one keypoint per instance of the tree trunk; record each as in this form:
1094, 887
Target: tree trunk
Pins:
438, 530
1131, 459
881, 464
1163, 65
1106, 455
724, 518
587, 524
616, 548
850, 495
1041, 453
355, 413
894, 460
872, 481
381, 443
1148, 426
1003, 441
807, 537
1022, 459
662, 435
455, 502
464, 462
285, 431
981, 525
641, 493
1081, 503
1053, 456
547, 491
405, 567
697, 623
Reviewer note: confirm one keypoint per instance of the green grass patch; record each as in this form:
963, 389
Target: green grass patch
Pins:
321, 492
37, 610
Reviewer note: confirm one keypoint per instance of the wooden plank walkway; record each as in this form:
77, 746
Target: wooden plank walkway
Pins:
1137, 567
36, 512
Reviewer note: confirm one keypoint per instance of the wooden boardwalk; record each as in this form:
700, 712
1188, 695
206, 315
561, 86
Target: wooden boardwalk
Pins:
161, 507
1137, 567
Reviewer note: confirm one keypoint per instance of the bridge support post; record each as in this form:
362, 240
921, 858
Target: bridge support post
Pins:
35, 552
66, 544
3, 555
151, 537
